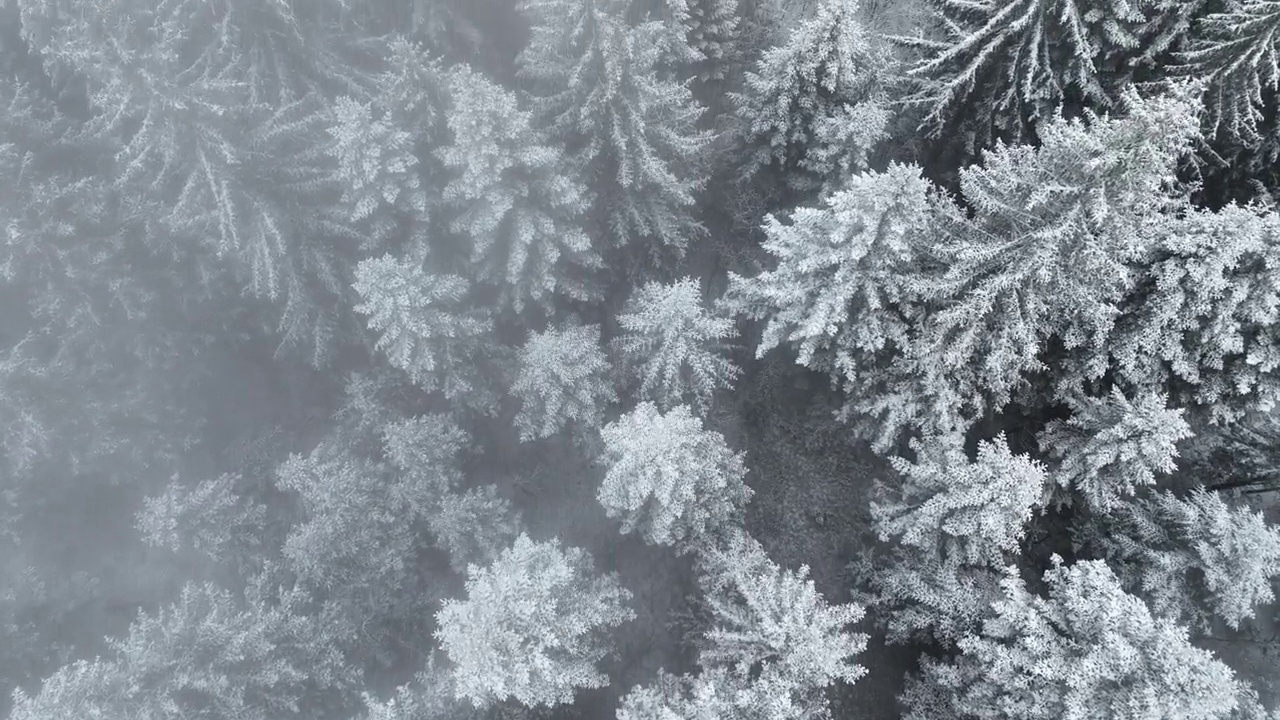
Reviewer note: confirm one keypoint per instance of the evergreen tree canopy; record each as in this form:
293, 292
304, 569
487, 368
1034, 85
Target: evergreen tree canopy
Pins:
1050, 249
1193, 558
425, 326
814, 107
1076, 261
702, 697
1002, 68
106, 338
712, 34
977, 511
204, 656
429, 696
358, 547
474, 526
1202, 319
837, 293
781, 641
1110, 447
532, 626
953, 524
670, 477
676, 345
425, 449
221, 114
1088, 650
210, 518
563, 379
599, 84
377, 165
516, 198
1235, 53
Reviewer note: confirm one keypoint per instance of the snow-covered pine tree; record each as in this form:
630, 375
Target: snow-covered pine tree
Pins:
710, 695
210, 518
383, 145
359, 544
838, 294
632, 131
1112, 446
206, 655
925, 595
1203, 323
671, 478
674, 16
1076, 259
429, 696
1004, 67
976, 511
532, 627
675, 345
377, 169
953, 525
1243, 456
515, 197
1050, 247
424, 450
474, 526
427, 329
699, 34
1088, 650
1193, 558
1236, 53
711, 31
562, 381
814, 107
780, 642
220, 115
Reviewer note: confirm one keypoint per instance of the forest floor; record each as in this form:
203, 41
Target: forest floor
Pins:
811, 507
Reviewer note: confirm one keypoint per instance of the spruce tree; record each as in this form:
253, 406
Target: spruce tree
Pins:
220, 115
1110, 447
975, 510
1002, 69
1194, 558
675, 345
777, 641
427, 329
706, 696
562, 381
1053, 247
1087, 650
210, 518
632, 131
358, 546
713, 34
474, 526
1235, 53
203, 656
532, 627
1201, 324
515, 198
814, 107
953, 524
377, 168
839, 293
671, 478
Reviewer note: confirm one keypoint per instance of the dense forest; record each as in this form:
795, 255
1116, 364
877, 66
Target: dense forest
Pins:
639, 359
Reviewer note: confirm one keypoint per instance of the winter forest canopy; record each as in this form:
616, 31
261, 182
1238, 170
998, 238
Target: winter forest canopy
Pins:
647, 359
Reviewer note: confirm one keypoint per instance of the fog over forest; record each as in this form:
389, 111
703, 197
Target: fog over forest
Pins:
639, 359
